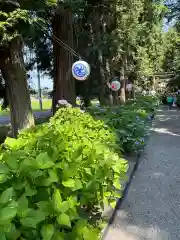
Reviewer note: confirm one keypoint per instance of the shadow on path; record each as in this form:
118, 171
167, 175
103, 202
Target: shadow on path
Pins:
151, 209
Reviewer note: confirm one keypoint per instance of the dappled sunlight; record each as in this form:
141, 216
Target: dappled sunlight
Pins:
158, 174
149, 210
163, 119
127, 230
164, 130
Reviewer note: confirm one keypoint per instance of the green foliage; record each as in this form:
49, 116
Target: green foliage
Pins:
130, 121
178, 100
54, 177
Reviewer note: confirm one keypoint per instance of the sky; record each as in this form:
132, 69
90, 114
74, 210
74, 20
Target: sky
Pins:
45, 80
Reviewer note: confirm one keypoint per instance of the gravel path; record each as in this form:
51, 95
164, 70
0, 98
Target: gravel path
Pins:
151, 209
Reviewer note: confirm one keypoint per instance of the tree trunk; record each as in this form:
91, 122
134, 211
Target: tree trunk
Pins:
102, 94
13, 72
98, 32
64, 86
153, 83
122, 92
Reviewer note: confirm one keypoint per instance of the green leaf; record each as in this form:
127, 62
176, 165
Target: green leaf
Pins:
33, 218
70, 183
64, 220
12, 162
73, 201
47, 231
57, 200
113, 204
19, 184
89, 234
64, 206
2, 236
7, 195
117, 194
9, 212
3, 178
58, 236
117, 184
36, 174
5, 226
13, 234
78, 185
73, 214
88, 171
29, 192
23, 206
53, 177
11, 142
80, 225
43, 161
45, 206
4, 169
73, 184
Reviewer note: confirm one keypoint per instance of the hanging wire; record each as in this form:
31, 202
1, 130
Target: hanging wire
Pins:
56, 39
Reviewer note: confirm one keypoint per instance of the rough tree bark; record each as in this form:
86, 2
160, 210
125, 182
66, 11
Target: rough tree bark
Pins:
122, 92
64, 85
13, 72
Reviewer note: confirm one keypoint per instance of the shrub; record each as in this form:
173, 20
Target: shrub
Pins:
130, 122
53, 178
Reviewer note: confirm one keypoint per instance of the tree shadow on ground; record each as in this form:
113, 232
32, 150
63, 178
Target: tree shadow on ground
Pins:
150, 208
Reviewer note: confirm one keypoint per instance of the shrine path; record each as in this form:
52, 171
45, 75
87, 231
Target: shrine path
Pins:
151, 208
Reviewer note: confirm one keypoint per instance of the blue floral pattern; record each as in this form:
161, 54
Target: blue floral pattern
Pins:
80, 70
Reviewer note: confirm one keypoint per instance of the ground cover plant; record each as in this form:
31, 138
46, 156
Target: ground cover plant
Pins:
53, 178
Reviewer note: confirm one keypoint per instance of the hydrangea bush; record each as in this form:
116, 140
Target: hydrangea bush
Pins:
56, 176
130, 122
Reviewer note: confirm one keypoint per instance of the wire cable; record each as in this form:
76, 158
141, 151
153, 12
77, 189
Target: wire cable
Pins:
55, 38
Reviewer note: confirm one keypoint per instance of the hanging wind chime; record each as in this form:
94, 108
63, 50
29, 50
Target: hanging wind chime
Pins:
115, 85
81, 70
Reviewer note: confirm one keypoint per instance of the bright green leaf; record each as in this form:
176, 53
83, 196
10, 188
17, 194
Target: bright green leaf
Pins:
47, 231
64, 220
64, 206
57, 200
73, 184
70, 183
43, 161
11, 142
113, 204
58, 236
117, 184
89, 234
